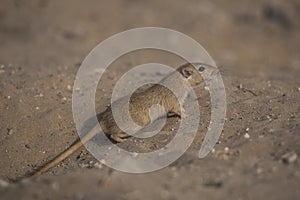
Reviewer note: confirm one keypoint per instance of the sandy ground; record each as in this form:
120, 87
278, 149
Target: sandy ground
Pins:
256, 44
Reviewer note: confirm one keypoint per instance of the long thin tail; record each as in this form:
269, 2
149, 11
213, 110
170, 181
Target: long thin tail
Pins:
75, 146
59, 158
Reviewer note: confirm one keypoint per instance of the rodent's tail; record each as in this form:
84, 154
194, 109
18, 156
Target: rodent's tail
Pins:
75, 146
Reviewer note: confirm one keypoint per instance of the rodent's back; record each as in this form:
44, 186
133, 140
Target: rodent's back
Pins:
140, 103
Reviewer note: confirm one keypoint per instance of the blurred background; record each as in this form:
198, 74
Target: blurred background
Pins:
253, 35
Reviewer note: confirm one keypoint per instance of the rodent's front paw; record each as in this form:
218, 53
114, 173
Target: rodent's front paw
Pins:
183, 115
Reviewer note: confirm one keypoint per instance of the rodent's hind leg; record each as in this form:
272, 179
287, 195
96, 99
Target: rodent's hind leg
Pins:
119, 136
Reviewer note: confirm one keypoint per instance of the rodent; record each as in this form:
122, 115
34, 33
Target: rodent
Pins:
139, 105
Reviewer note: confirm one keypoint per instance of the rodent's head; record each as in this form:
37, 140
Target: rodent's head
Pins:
196, 72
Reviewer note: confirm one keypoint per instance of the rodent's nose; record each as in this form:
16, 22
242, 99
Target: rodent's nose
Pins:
215, 72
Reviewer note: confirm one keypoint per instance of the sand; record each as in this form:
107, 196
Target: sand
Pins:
255, 43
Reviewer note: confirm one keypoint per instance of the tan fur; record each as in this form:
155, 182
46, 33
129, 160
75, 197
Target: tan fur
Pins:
139, 106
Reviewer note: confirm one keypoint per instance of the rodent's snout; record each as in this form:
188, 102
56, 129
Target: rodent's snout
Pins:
215, 72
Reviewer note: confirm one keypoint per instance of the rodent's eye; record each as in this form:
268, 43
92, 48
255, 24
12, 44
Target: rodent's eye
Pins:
201, 69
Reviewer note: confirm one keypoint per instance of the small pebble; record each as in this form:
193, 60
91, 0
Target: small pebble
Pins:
39, 95
289, 157
174, 171
8, 97
2, 71
281, 143
226, 149
98, 165
247, 129
299, 89
25, 181
55, 186
3, 183
259, 170
10, 131
134, 154
240, 86
102, 161
173, 168
37, 108
247, 136
69, 87
84, 165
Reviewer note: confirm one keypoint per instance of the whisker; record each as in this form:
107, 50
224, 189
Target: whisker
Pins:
223, 70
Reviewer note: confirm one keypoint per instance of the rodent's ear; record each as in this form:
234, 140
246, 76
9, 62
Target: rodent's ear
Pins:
187, 72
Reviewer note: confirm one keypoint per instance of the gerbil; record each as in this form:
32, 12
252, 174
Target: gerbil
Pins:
139, 106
